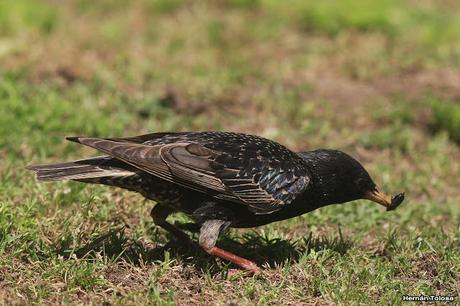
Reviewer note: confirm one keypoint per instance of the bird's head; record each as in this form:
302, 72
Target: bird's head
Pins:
338, 178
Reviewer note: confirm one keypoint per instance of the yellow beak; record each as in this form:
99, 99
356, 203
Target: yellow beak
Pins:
379, 197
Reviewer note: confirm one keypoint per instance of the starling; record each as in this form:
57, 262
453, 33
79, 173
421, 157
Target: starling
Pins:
221, 180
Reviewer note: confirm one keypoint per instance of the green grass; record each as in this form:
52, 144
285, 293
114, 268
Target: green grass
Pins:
376, 79
17, 16
446, 117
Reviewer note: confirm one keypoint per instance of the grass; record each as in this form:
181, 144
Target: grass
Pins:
446, 117
378, 79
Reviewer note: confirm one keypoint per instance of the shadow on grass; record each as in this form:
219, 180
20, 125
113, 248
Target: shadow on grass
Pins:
116, 245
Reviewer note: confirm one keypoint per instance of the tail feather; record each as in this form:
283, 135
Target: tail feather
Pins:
97, 167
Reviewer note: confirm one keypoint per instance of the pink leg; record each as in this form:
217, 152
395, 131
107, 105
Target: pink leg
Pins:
209, 233
247, 265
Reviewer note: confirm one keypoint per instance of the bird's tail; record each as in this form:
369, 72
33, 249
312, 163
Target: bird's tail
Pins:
84, 169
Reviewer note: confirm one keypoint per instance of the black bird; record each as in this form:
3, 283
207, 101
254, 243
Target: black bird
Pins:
221, 180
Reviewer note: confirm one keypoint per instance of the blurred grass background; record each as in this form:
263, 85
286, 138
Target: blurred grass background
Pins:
378, 79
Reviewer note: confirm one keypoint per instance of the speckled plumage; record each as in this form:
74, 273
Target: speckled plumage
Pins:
221, 179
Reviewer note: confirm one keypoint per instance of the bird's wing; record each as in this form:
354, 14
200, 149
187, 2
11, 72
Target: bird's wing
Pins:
251, 170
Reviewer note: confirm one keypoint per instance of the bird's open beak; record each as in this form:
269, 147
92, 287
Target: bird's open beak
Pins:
379, 197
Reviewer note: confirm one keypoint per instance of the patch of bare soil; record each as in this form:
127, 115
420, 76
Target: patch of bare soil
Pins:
343, 92
440, 82
124, 278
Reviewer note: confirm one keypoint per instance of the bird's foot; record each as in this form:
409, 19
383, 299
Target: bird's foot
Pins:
238, 272
247, 265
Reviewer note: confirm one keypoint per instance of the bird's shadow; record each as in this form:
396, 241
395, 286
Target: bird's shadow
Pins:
117, 245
